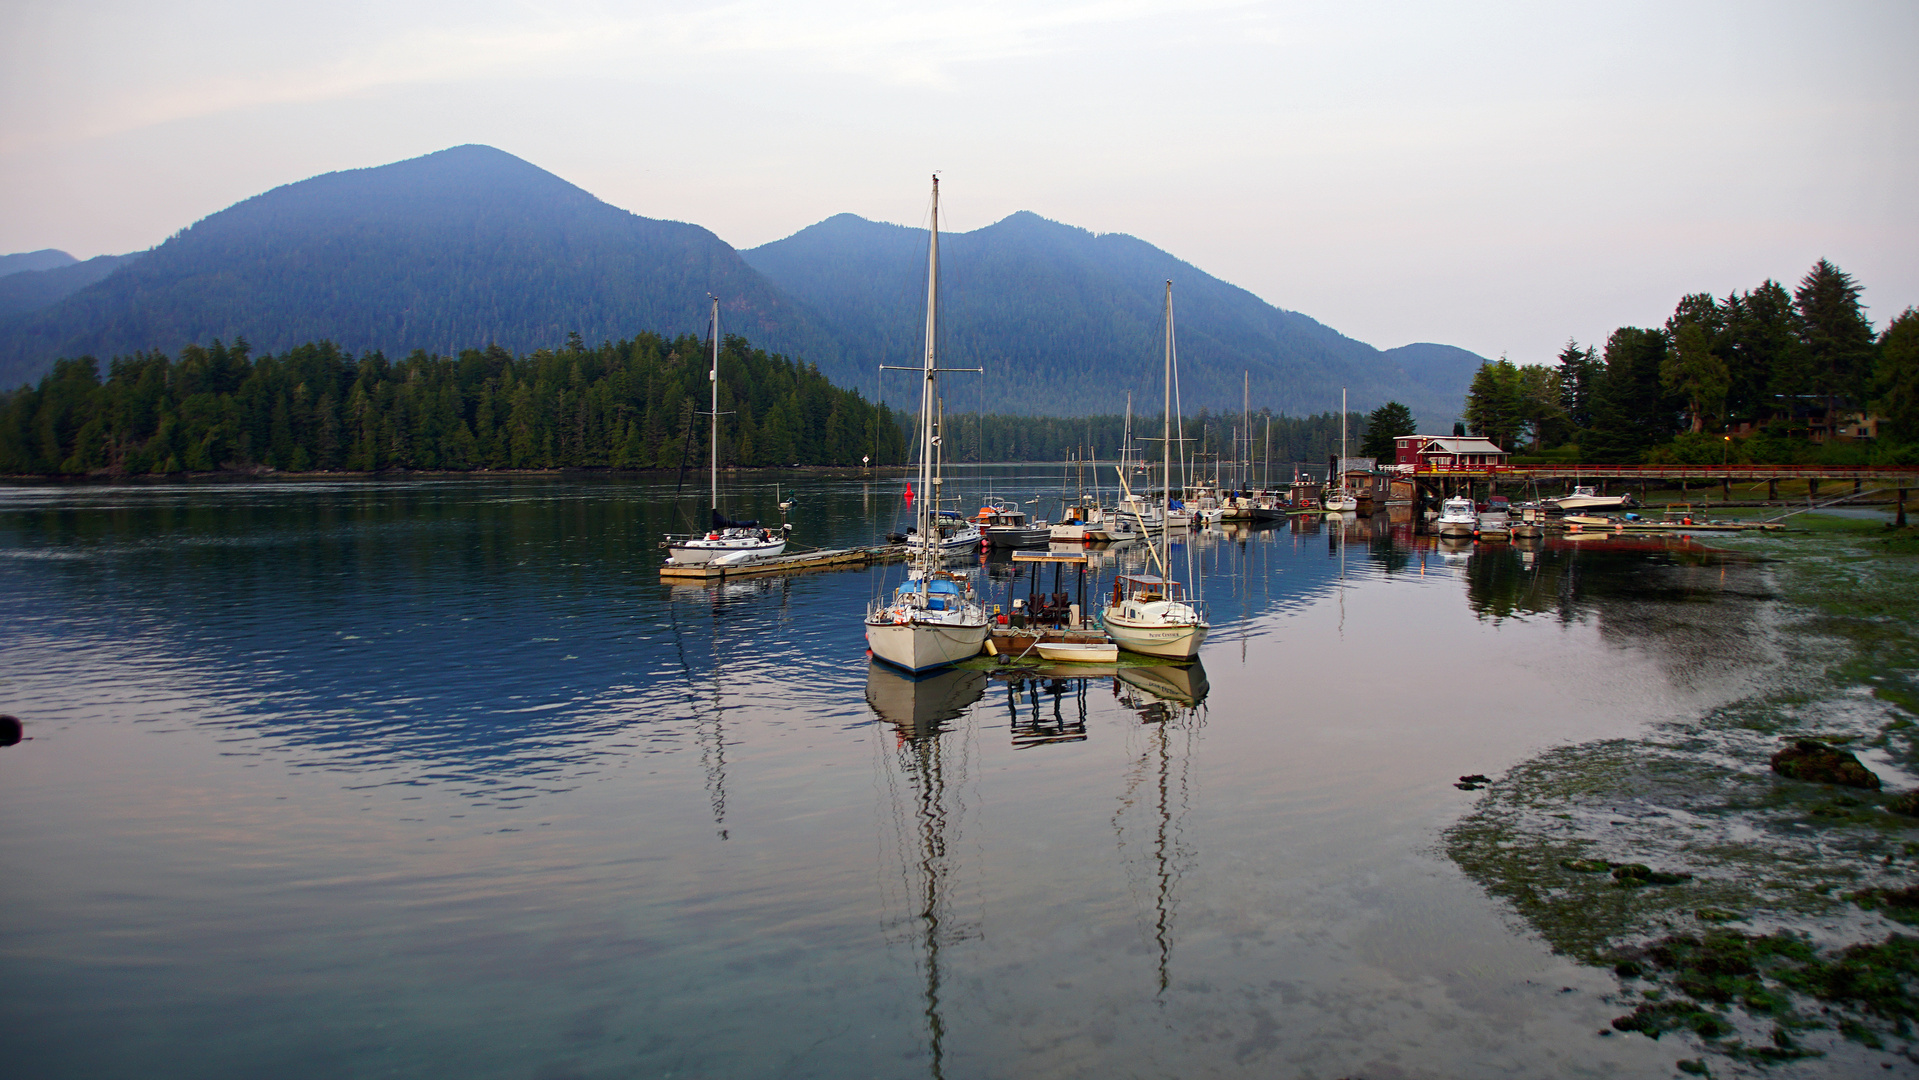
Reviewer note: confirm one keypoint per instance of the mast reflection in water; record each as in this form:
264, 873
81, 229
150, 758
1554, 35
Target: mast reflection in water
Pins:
925, 826
1170, 704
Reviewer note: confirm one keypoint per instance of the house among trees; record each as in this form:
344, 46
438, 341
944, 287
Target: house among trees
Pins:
1447, 453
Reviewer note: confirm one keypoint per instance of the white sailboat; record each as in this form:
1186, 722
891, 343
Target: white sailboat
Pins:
1339, 497
1152, 614
933, 618
725, 540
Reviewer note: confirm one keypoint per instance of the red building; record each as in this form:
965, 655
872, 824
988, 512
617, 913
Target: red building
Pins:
1447, 453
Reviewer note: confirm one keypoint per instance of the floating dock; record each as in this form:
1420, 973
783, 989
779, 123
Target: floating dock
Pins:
836, 559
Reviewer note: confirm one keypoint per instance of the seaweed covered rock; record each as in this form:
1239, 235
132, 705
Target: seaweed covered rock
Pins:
1907, 804
1816, 763
1901, 905
1639, 875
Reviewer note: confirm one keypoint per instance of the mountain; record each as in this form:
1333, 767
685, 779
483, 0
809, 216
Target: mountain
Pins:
44, 259
453, 250
471, 246
31, 290
1443, 372
1066, 322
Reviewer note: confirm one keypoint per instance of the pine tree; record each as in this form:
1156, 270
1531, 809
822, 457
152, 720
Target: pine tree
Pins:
1383, 425
1837, 338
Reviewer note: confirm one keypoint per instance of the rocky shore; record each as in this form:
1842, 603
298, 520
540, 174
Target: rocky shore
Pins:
1750, 875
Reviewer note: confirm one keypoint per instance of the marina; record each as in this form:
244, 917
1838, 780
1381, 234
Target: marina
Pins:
512, 686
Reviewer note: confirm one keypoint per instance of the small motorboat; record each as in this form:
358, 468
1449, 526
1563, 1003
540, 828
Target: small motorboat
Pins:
1457, 517
1078, 652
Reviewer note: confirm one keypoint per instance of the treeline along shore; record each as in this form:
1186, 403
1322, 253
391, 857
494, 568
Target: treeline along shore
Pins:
1764, 376
634, 404
629, 404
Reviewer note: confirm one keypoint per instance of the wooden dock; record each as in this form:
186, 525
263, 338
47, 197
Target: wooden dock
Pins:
836, 559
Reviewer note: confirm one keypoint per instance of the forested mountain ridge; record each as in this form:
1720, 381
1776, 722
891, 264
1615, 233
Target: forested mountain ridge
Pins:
438, 252
33, 289
472, 245
1066, 321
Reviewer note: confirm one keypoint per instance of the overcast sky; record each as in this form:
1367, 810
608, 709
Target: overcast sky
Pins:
1495, 176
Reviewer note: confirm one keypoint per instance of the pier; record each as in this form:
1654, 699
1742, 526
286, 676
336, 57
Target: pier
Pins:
1440, 482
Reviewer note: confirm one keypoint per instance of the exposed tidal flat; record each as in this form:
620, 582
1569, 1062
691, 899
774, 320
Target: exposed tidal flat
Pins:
436, 777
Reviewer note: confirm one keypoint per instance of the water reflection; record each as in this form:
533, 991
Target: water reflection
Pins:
925, 827
1159, 789
507, 641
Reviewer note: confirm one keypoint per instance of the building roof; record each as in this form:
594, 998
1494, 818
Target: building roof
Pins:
1452, 444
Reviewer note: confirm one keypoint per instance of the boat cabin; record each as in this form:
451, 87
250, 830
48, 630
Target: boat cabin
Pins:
1146, 588
999, 514
940, 594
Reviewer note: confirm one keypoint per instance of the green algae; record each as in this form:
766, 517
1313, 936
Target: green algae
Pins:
1735, 844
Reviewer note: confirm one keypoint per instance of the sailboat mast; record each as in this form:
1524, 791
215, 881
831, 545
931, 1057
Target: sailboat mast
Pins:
1166, 432
713, 433
1342, 438
1246, 426
928, 391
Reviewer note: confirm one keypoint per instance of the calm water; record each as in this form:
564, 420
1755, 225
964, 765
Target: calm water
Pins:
436, 778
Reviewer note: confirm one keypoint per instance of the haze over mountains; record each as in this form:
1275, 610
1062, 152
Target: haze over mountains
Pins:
471, 246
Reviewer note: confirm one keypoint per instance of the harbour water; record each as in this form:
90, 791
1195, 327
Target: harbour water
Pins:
435, 777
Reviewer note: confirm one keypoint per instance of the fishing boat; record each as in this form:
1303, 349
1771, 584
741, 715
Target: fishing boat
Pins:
1151, 614
934, 617
725, 541
1007, 526
1457, 517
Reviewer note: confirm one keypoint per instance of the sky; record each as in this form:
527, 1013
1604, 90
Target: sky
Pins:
1497, 176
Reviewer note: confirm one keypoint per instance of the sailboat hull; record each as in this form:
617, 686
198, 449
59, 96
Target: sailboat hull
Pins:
1175, 641
923, 646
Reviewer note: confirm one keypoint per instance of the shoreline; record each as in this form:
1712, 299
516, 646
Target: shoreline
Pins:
1760, 919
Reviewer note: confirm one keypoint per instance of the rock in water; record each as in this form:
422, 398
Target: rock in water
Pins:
10, 730
1816, 763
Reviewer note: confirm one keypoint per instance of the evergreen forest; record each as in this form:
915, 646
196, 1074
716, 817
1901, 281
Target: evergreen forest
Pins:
1764, 376
633, 404
636, 404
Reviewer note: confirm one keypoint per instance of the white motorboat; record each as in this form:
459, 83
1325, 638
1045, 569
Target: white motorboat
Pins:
1586, 497
952, 531
1088, 523
725, 540
1151, 614
934, 617
1457, 517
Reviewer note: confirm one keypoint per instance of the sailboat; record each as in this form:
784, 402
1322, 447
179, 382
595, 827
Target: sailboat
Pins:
1148, 614
933, 618
725, 541
1339, 497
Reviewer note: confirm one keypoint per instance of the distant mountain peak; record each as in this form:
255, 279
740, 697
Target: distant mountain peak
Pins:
44, 259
